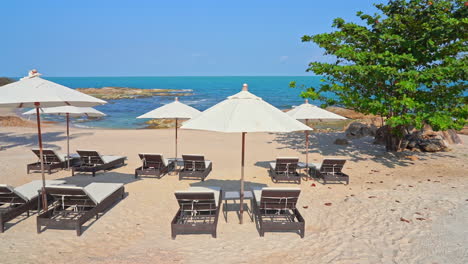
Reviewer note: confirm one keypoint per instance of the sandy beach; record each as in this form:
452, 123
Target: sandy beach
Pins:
363, 224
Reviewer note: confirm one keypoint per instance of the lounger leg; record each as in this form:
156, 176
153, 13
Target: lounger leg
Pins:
78, 230
27, 169
38, 228
94, 173
136, 174
213, 235
73, 171
2, 226
27, 212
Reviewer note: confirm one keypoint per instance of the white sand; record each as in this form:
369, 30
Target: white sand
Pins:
355, 229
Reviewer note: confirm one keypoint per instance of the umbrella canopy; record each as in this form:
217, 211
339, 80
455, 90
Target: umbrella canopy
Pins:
30, 90
310, 111
307, 112
33, 91
172, 110
175, 110
244, 113
72, 111
68, 111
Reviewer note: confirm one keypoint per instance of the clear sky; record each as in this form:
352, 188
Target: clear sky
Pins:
166, 38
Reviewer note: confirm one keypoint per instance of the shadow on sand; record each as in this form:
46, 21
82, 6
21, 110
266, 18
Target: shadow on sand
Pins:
11, 140
357, 150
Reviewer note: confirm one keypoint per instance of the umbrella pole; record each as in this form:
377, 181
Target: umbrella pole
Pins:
41, 156
242, 179
176, 124
307, 146
68, 140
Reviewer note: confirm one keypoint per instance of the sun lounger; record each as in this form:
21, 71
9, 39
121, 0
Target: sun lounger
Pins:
195, 167
153, 165
92, 161
16, 201
73, 206
198, 211
285, 170
52, 161
330, 170
275, 210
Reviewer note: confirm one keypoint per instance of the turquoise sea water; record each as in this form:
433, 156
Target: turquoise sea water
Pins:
207, 91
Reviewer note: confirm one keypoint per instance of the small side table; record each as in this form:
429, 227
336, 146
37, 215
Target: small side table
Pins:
178, 163
234, 196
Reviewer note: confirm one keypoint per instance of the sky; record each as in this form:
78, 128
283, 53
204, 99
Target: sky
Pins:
166, 38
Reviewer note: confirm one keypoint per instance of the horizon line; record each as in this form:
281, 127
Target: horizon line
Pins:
140, 76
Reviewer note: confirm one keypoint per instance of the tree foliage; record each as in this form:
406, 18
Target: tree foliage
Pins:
406, 63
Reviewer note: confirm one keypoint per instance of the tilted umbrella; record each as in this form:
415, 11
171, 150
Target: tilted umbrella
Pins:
308, 112
35, 92
175, 110
244, 113
68, 111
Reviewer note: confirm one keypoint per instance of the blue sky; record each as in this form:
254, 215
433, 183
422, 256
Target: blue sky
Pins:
166, 38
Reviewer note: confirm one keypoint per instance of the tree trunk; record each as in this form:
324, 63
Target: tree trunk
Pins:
394, 137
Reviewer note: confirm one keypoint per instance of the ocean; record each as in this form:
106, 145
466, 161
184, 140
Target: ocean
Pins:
207, 91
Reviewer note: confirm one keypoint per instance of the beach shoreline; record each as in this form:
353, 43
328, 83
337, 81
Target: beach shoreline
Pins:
363, 223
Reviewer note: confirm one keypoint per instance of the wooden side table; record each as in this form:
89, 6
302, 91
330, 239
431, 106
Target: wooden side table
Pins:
234, 196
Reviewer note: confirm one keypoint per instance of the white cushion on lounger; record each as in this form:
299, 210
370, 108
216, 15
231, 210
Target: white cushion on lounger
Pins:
30, 190
207, 163
61, 156
109, 159
258, 191
199, 189
98, 191
273, 165
11, 189
317, 165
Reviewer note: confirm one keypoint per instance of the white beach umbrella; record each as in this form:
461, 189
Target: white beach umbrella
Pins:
308, 112
244, 113
68, 111
175, 110
35, 92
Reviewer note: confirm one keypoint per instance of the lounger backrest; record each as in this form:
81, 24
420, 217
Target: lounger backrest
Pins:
9, 196
196, 201
286, 165
90, 157
49, 155
279, 199
332, 165
70, 196
194, 162
152, 160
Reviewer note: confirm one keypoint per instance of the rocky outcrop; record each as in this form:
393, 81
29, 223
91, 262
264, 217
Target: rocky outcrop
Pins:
162, 123
15, 121
113, 93
358, 130
341, 141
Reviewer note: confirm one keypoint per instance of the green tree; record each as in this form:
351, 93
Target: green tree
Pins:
406, 63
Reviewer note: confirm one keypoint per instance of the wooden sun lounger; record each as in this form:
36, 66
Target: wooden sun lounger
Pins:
73, 206
198, 211
153, 165
92, 161
195, 167
17, 201
330, 170
52, 161
285, 170
275, 210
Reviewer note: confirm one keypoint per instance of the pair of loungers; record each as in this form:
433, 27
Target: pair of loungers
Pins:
274, 208
52, 160
84, 161
285, 170
69, 206
194, 166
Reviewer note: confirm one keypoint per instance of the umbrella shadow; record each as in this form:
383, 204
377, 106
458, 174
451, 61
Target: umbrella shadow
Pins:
10, 140
229, 185
83, 180
360, 149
